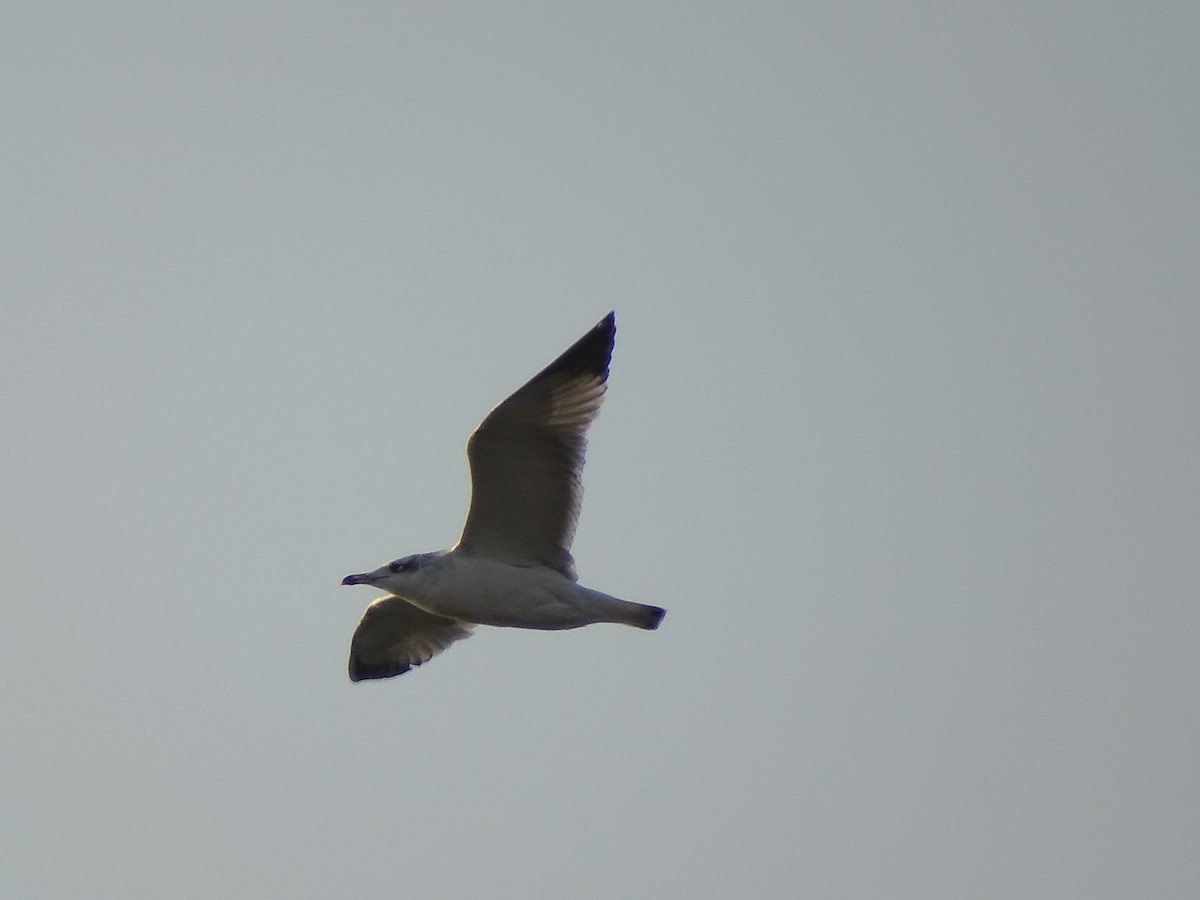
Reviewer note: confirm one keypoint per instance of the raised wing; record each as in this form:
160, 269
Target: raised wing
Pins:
394, 636
527, 459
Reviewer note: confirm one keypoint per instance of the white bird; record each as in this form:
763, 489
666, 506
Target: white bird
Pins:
512, 566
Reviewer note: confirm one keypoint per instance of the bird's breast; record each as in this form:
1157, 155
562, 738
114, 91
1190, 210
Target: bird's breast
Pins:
492, 592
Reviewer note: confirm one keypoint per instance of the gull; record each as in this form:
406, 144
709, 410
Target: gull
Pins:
512, 566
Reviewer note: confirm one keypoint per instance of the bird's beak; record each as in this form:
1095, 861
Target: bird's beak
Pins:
365, 578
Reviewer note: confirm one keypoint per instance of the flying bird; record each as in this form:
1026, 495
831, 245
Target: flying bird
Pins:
512, 566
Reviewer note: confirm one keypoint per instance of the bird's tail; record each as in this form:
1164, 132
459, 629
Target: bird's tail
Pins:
648, 617
639, 615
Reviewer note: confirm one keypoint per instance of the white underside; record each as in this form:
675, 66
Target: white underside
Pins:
491, 592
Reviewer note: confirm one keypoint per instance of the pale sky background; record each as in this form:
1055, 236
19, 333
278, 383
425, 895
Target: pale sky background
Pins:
902, 430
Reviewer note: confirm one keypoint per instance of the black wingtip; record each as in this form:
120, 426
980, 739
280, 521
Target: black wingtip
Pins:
360, 671
591, 354
608, 325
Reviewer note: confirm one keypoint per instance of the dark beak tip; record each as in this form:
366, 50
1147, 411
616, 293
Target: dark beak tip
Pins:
352, 579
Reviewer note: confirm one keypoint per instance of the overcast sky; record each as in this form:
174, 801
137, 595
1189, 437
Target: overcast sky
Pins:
902, 430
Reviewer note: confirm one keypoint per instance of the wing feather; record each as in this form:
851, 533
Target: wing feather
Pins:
527, 459
394, 636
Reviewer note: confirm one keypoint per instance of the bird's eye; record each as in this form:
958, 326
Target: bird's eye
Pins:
400, 565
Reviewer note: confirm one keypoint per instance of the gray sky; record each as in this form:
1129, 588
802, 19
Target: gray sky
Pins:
902, 430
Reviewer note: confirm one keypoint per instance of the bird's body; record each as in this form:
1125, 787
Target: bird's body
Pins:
512, 567
486, 591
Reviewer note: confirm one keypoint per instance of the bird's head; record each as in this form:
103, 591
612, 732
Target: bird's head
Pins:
394, 572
